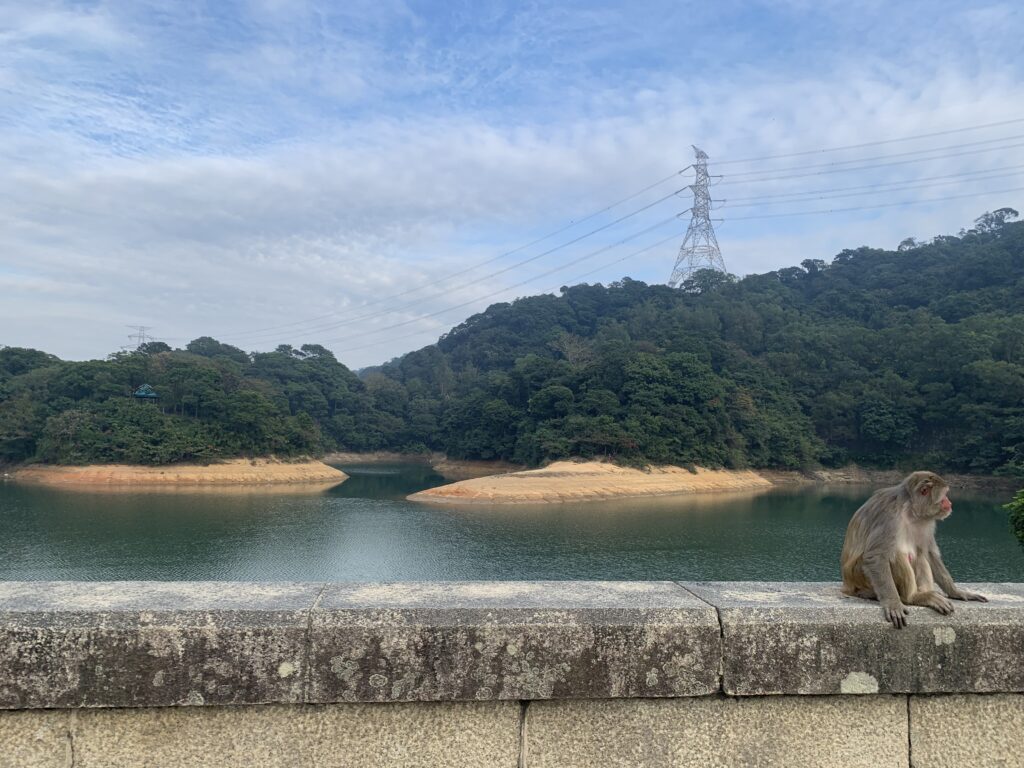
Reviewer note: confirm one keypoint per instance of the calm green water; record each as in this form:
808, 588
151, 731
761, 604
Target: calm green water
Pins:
364, 530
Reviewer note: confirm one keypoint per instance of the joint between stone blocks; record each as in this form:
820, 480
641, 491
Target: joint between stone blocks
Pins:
307, 648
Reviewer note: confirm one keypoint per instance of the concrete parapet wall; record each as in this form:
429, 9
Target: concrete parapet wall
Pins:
521, 674
877, 731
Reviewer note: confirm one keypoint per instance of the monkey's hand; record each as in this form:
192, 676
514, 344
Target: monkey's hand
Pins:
896, 612
963, 594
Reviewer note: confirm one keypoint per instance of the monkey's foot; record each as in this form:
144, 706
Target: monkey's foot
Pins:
936, 602
963, 594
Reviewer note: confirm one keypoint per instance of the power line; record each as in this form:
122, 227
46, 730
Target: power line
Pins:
881, 157
295, 323
732, 218
832, 168
624, 258
873, 143
490, 275
388, 311
869, 167
519, 284
632, 255
881, 184
666, 240
572, 224
768, 200
868, 207
589, 255
672, 237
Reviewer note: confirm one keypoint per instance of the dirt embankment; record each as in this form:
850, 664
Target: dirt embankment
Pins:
582, 481
454, 469
853, 474
225, 473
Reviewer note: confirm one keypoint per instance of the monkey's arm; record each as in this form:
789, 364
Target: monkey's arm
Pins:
944, 580
879, 573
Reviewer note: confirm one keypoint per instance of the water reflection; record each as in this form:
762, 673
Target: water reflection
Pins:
386, 481
364, 530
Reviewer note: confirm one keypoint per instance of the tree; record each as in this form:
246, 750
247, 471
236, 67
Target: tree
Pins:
153, 348
706, 281
15, 361
994, 221
207, 346
1016, 510
575, 349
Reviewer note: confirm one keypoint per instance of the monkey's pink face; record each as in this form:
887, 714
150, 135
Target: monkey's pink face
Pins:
942, 507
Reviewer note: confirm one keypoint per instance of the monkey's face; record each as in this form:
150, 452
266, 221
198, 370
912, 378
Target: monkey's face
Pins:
934, 497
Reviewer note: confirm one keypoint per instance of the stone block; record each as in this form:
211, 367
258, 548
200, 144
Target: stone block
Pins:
461, 735
86, 644
37, 739
511, 640
809, 638
957, 731
785, 731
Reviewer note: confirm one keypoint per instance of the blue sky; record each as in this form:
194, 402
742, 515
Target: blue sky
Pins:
224, 168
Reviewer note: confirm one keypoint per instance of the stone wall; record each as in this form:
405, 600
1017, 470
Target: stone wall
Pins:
518, 674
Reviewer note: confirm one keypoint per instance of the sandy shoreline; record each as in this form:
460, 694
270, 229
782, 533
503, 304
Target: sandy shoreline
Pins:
582, 481
231, 472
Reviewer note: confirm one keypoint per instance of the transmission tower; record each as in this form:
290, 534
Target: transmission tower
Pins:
700, 246
140, 336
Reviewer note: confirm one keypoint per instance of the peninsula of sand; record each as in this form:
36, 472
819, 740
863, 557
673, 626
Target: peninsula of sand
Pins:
230, 472
592, 480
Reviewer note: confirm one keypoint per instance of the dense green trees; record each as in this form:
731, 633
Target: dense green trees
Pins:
914, 356
1016, 510
881, 357
215, 401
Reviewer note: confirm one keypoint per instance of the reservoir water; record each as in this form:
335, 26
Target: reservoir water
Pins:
364, 530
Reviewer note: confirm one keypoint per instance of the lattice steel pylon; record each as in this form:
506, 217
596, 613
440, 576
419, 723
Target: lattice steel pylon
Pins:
700, 246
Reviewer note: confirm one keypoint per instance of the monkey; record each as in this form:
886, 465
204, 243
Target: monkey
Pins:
890, 554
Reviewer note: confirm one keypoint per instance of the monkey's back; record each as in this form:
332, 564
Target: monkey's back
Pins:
869, 517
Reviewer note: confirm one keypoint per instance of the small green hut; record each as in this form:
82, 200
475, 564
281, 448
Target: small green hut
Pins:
145, 392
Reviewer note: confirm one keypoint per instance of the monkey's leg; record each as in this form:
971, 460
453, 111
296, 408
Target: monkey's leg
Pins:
924, 592
945, 581
879, 573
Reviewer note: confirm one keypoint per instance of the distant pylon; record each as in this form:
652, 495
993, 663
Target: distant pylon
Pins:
700, 246
140, 336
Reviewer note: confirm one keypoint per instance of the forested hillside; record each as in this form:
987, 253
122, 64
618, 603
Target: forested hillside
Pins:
881, 357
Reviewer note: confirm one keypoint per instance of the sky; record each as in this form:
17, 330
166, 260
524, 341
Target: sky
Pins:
366, 175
